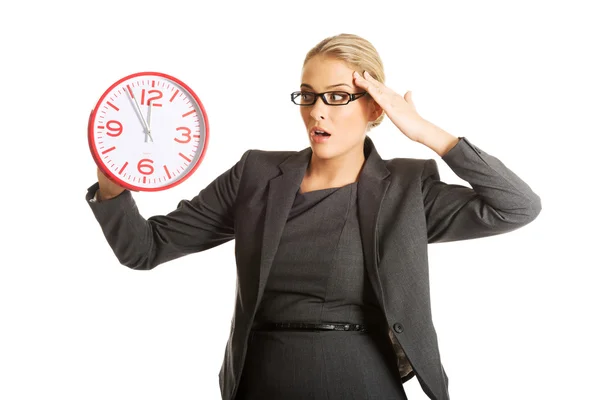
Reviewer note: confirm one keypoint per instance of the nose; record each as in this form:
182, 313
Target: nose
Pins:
318, 109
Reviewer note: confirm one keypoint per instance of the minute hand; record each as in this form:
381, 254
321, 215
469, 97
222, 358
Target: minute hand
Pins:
142, 117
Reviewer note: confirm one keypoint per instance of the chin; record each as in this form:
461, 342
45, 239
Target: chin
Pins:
324, 152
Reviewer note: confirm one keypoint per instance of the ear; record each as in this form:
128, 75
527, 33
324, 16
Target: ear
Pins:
375, 110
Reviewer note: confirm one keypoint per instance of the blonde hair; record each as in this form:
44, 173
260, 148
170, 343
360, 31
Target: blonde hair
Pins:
357, 52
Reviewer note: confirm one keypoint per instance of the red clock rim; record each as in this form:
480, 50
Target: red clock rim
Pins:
109, 174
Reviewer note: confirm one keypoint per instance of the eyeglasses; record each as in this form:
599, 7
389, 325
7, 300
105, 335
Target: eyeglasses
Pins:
329, 98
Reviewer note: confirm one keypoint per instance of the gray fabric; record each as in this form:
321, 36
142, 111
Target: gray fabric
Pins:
298, 365
318, 275
402, 207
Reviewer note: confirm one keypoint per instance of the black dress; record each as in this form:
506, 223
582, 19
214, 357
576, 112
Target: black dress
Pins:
318, 275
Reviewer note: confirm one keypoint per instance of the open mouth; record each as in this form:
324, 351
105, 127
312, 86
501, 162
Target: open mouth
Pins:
318, 131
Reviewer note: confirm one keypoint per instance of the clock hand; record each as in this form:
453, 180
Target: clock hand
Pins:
150, 119
142, 117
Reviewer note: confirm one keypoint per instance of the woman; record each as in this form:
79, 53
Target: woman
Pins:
331, 242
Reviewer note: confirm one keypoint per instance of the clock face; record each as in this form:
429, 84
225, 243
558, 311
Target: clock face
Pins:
148, 132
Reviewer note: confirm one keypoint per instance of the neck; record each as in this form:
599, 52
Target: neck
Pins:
336, 171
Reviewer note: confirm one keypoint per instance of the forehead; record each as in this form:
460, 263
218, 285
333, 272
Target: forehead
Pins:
320, 72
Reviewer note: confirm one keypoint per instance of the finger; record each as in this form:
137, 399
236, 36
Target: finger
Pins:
369, 86
376, 84
362, 82
368, 79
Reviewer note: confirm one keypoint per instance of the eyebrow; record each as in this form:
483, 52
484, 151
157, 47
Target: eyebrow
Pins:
328, 87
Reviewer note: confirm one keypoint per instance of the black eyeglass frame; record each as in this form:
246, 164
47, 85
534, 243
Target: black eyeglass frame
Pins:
353, 96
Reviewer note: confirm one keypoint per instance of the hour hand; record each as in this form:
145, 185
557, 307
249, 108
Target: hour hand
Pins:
150, 120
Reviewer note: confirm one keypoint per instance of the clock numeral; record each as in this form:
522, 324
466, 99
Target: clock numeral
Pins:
146, 164
186, 134
115, 128
153, 95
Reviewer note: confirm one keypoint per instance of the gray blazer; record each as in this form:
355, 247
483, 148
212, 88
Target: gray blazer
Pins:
402, 204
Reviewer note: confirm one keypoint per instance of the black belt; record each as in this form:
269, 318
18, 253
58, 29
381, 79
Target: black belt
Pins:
323, 326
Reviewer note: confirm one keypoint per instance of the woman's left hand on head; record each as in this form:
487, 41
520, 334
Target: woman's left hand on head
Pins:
400, 110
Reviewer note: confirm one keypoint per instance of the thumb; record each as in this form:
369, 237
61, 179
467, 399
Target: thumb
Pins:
409, 99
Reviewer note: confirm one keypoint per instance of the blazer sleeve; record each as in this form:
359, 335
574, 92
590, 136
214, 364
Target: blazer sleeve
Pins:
205, 221
498, 202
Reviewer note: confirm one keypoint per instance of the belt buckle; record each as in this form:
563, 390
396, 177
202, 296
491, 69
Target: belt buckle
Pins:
340, 327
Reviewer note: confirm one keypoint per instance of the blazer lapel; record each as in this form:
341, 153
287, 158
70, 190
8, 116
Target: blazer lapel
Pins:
281, 195
282, 190
373, 183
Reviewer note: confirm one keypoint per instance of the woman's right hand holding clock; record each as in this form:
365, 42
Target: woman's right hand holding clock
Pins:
108, 189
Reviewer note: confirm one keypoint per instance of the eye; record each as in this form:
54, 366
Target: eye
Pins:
306, 97
337, 97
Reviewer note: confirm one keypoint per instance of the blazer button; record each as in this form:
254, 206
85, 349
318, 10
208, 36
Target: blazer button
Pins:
398, 328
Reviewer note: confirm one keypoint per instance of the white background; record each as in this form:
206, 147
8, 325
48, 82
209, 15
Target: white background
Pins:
516, 314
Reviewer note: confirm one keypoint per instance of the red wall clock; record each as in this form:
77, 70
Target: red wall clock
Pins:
148, 132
